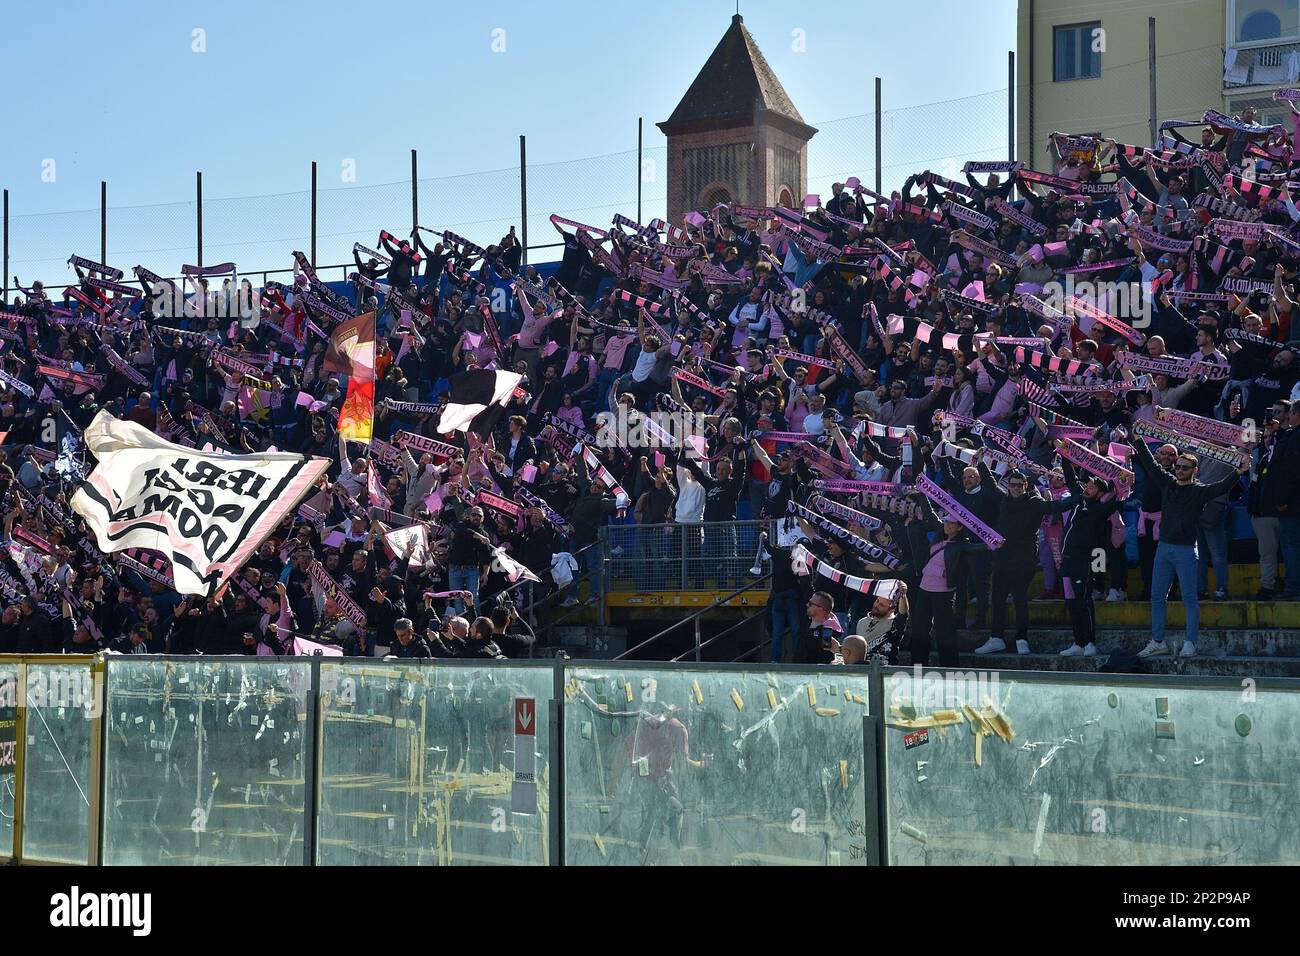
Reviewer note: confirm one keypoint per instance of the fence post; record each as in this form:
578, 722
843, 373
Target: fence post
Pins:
1011, 106
199, 181
103, 221
877, 134
1151, 75
6, 245
313, 213
415, 198
523, 198
640, 122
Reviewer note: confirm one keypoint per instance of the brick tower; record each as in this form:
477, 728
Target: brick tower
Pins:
735, 136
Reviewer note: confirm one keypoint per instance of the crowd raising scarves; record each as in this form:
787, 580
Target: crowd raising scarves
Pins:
931, 396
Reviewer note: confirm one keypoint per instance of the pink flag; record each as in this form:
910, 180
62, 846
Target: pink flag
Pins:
975, 290
305, 648
812, 201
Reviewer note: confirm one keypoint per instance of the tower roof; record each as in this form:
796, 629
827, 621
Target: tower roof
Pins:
732, 88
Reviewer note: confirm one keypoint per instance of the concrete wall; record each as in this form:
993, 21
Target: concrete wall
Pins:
1189, 39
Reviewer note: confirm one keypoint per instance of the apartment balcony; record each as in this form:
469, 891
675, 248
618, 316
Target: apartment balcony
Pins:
1260, 67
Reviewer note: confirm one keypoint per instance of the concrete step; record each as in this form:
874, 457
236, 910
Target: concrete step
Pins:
1137, 614
1226, 666
1212, 642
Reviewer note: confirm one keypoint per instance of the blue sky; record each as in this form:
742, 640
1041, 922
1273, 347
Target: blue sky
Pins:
116, 91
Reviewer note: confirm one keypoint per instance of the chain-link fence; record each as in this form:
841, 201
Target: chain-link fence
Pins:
259, 233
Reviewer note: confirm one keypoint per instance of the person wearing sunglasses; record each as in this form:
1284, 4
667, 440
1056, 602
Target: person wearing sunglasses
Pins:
1182, 498
823, 625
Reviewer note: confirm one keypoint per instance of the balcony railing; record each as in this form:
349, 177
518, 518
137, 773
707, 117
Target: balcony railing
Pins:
713, 556
1268, 65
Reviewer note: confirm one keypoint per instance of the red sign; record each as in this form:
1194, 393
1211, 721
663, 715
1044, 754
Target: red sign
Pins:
525, 717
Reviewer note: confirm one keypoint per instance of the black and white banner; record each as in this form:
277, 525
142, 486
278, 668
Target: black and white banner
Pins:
205, 511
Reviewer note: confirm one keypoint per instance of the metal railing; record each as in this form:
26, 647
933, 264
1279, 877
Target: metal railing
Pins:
694, 620
711, 556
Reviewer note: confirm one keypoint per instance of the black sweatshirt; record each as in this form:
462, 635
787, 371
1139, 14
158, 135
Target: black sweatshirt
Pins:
1181, 505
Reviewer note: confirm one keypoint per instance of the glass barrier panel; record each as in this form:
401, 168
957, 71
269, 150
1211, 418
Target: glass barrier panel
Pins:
418, 761
57, 788
714, 766
8, 755
205, 761
988, 769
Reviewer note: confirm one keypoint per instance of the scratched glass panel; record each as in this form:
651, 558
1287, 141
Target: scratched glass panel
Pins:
418, 764
718, 767
57, 788
204, 762
1094, 772
8, 755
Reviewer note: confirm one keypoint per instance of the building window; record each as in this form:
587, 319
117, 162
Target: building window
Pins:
716, 195
1076, 51
1264, 21
1267, 110
789, 167
713, 164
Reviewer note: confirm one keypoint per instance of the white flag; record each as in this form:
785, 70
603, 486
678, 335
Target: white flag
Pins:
511, 568
208, 512
410, 542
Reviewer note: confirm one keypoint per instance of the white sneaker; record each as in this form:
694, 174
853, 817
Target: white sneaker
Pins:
1188, 650
1154, 649
1115, 594
1089, 649
1022, 647
992, 646
569, 602
1074, 650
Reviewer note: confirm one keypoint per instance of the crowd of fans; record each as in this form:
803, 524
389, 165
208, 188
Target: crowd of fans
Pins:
1016, 339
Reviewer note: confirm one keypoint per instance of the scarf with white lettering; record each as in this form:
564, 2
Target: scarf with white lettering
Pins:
958, 512
1171, 366
848, 538
871, 587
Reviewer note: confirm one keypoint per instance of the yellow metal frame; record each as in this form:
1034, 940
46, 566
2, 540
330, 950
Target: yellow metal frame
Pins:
682, 599
97, 670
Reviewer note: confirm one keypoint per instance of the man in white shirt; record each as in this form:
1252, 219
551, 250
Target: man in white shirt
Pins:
813, 423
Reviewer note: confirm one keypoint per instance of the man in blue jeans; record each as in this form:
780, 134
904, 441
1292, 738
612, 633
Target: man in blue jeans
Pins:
471, 550
785, 604
1182, 500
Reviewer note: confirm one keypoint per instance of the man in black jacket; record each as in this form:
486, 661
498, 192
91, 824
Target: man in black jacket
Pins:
1182, 500
785, 600
408, 643
1019, 515
1087, 533
978, 495
36, 633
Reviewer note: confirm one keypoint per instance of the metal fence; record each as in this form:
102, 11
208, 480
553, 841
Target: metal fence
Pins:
337, 207
713, 556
